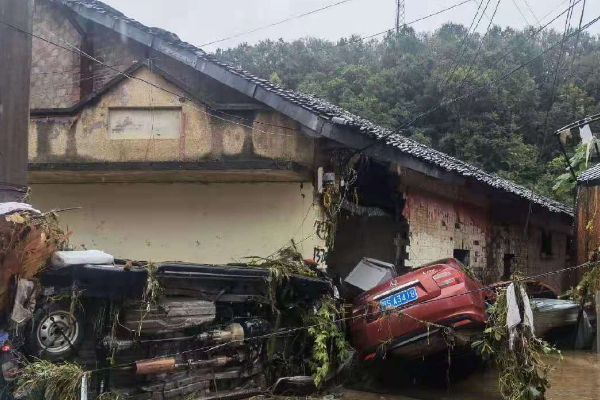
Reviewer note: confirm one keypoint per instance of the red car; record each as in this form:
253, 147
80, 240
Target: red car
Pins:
376, 333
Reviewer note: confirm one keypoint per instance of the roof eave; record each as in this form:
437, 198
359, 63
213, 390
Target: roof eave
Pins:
203, 63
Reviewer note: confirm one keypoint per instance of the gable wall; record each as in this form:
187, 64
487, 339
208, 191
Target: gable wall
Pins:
114, 51
55, 72
203, 137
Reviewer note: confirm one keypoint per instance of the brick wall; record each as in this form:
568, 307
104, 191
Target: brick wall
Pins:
539, 262
438, 227
113, 50
55, 72
445, 217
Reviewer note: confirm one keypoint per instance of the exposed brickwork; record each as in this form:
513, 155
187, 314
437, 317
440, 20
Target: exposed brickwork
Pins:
113, 50
438, 227
443, 217
55, 72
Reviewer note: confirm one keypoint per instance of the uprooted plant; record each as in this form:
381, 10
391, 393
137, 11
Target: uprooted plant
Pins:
284, 262
523, 372
27, 242
152, 294
330, 347
57, 382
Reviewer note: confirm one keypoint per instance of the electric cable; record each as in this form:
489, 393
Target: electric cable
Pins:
276, 23
462, 48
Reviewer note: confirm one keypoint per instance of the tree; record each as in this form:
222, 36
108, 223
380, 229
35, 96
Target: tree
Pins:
502, 129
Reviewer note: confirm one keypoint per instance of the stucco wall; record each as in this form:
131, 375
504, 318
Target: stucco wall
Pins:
215, 223
86, 138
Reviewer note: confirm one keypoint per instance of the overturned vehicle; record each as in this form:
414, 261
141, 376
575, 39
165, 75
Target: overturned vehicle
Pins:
167, 330
207, 331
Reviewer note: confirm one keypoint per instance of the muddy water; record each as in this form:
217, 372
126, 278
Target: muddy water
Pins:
576, 377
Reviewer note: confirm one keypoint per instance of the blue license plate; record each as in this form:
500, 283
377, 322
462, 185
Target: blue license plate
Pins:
400, 298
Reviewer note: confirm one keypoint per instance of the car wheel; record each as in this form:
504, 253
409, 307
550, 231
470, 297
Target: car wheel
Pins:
55, 334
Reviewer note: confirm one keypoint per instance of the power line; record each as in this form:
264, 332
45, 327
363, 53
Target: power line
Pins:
387, 31
536, 32
80, 52
551, 104
521, 12
397, 310
556, 8
487, 31
276, 23
476, 91
440, 105
532, 13
463, 47
76, 50
578, 35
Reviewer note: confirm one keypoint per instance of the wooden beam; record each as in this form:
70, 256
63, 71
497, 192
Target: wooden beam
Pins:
15, 63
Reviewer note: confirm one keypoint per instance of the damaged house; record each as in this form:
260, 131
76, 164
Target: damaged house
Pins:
174, 155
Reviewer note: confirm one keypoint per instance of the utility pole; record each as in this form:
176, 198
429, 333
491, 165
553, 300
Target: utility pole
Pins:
400, 14
15, 73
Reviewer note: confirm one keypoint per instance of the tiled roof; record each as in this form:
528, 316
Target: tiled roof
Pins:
590, 175
328, 111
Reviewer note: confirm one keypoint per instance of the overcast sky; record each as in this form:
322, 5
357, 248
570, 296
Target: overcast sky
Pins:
204, 21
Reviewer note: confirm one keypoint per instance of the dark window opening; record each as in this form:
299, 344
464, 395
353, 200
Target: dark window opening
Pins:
546, 243
462, 255
570, 248
509, 260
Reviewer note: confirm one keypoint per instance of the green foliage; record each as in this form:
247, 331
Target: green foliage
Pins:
330, 347
390, 81
523, 372
586, 289
275, 78
565, 183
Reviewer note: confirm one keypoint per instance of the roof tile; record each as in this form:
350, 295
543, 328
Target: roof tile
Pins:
334, 113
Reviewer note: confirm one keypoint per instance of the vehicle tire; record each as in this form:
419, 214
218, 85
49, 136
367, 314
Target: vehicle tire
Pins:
54, 334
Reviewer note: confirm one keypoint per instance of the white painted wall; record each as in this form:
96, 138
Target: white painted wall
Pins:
204, 223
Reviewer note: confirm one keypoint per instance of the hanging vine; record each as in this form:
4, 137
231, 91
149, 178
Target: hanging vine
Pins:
336, 193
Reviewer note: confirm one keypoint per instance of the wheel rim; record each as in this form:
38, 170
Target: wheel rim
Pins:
57, 332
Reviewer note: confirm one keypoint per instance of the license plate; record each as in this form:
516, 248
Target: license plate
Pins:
400, 298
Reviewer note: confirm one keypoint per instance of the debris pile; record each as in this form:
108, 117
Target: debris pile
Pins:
284, 262
509, 342
51, 380
27, 241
